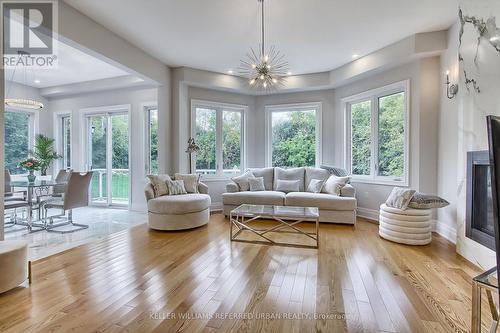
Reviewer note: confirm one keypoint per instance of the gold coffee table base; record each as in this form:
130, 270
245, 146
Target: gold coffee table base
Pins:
240, 220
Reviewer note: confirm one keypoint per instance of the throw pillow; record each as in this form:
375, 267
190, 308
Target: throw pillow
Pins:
242, 180
315, 185
159, 184
288, 185
267, 174
334, 184
427, 201
256, 184
190, 181
289, 174
400, 198
176, 187
339, 172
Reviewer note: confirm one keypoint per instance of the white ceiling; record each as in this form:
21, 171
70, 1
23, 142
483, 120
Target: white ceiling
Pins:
73, 66
315, 35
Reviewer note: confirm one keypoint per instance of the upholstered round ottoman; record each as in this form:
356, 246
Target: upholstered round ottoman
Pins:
14, 264
179, 212
410, 226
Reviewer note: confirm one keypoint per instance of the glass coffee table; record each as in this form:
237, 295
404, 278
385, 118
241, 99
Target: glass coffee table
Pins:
488, 282
245, 218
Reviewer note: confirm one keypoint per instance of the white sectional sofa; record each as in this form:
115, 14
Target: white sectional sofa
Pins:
332, 208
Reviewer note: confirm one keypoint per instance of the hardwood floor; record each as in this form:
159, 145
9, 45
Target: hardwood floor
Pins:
141, 281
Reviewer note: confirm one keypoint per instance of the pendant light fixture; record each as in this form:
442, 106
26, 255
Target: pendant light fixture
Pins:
265, 69
22, 103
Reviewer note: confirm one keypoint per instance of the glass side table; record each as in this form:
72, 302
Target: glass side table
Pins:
485, 281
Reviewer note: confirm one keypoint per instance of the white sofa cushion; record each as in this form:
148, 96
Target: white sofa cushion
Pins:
254, 198
320, 200
267, 174
289, 174
315, 173
179, 204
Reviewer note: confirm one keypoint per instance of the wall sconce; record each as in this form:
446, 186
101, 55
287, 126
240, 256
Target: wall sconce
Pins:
451, 89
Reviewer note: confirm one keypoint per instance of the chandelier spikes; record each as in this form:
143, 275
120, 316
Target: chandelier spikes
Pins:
265, 69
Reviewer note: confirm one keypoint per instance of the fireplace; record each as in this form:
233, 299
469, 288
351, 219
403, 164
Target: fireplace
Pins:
479, 210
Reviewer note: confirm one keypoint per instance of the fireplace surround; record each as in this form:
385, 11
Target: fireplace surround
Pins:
479, 208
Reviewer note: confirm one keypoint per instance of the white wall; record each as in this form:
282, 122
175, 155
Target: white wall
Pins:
448, 137
133, 97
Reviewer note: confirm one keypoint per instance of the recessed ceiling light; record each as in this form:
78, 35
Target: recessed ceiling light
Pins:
230, 72
495, 39
289, 73
355, 55
37, 81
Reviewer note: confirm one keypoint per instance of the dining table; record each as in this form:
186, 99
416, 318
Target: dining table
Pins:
35, 191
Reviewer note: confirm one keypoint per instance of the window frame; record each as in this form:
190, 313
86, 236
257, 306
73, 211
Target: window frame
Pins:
33, 118
270, 109
374, 95
219, 108
147, 108
58, 136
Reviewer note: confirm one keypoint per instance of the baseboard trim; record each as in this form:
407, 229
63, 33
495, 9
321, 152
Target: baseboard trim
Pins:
216, 207
367, 213
445, 231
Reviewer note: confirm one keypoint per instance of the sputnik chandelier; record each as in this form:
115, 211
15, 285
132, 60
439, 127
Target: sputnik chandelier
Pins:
266, 69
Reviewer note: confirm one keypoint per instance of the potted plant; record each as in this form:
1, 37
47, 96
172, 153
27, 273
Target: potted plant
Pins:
31, 164
44, 152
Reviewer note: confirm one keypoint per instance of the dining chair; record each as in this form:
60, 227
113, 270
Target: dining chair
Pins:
76, 195
61, 179
9, 192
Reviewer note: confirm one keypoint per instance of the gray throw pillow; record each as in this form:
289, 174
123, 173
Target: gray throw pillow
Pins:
256, 184
400, 198
288, 185
176, 187
242, 180
159, 184
191, 181
427, 201
315, 185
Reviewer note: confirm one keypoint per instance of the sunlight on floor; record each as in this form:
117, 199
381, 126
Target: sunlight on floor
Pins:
102, 222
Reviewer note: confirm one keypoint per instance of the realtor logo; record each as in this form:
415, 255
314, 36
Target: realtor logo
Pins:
29, 28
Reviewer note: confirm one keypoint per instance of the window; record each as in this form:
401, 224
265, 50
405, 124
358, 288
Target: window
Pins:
152, 140
294, 136
19, 136
65, 123
219, 132
377, 131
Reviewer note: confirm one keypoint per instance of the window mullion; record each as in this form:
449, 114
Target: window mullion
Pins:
374, 153
218, 142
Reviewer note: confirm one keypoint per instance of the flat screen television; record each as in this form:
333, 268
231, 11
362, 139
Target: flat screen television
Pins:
494, 152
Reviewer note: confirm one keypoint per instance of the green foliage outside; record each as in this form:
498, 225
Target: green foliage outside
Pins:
205, 138
119, 136
16, 140
294, 139
390, 136
206, 121
153, 143
361, 137
231, 140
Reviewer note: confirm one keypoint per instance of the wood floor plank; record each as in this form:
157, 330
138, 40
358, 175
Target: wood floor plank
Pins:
198, 281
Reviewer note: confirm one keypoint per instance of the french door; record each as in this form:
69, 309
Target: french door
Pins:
108, 157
